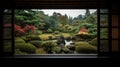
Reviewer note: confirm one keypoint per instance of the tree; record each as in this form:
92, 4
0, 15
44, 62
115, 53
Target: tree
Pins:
79, 17
63, 20
90, 19
87, 13
70, 20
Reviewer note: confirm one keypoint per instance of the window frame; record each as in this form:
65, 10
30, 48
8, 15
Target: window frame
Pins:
98, 13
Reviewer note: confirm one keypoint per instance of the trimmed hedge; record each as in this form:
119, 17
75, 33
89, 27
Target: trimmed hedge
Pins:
19, 40
36, 43
33, 37
38, 32
94, 42
56, 50
81, 43
65, 50
85, 47
26, 47
17, 51
56, 32
48, 45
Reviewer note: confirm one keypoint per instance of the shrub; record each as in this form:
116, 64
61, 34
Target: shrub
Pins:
49, 45
38, 32
94, 42
81, 43
17, 51
33, 37
46, 36
25, 47
56, 32
92, 35
29, 28
24, 38
65, 50
83, 36
40, 51
18, 30
36, 43
85, 48
49, 30
56, 49
66, 35
19, 40
50, 37
71, 47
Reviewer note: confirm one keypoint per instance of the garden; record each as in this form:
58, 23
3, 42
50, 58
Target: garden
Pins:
38, 33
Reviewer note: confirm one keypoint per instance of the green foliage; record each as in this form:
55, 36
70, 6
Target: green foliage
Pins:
24, 38
86, 25
46, 36
38, 32
56, 32
40, 51
90, 19
36, 43
87, 13
48, 45
19, 40
71, 47
26, 47
49, 30
84, 47
17, 51
81, 43
82, 36
94, 42
92, 35
56, 50
63, 20
33, 37
65, 50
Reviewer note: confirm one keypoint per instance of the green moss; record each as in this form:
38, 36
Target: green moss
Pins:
40, 51
38, 32
71, 47
46, 36
19, 40
17, 51
48, 45
81, 43
33, 37
36, 43
26, 47
65, 50
85, 48
56, 49
94, 42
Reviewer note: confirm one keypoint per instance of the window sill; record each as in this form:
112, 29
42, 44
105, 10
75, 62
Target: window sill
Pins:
56, 56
